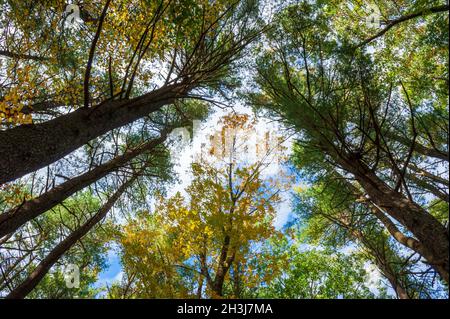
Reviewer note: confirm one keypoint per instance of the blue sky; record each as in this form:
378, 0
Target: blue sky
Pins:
184, 157
112, 272
183, 160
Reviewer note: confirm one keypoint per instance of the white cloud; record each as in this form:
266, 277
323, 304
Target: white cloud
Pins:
184, 154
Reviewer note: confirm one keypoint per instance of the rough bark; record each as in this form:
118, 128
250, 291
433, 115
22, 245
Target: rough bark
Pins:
406, 241
27, 148
223, 266
44, 266
16, 217
428, 231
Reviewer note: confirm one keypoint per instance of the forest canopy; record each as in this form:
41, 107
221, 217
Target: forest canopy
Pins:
224, 149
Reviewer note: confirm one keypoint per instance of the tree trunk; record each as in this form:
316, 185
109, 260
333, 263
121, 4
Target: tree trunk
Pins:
429, 231
200, 286
221, 270
16, 217
44, 266
27, 148
380, 259
406, 241
390, 226
387, 272
424, 173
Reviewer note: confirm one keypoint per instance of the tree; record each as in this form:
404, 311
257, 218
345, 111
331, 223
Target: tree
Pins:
207, 236
147, 145
23, 251
62, 247
136, 164
27, 210
198, 53
316, 274
333, 217
340, 103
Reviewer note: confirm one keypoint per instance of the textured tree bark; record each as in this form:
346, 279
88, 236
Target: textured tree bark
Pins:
406, 241
16, 217
221, 270
393, 230
27, 148
429, 232
44, 266
390, 226
223, 266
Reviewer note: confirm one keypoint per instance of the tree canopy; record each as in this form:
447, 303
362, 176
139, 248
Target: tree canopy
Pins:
344, 195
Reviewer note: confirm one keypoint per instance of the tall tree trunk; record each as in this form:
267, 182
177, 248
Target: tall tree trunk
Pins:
429, 231
236, 281
16, 217
27, 148
390, 275
390, 226
200, 286
44, 266
379, 257
221, 270
406, 241
223, 266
